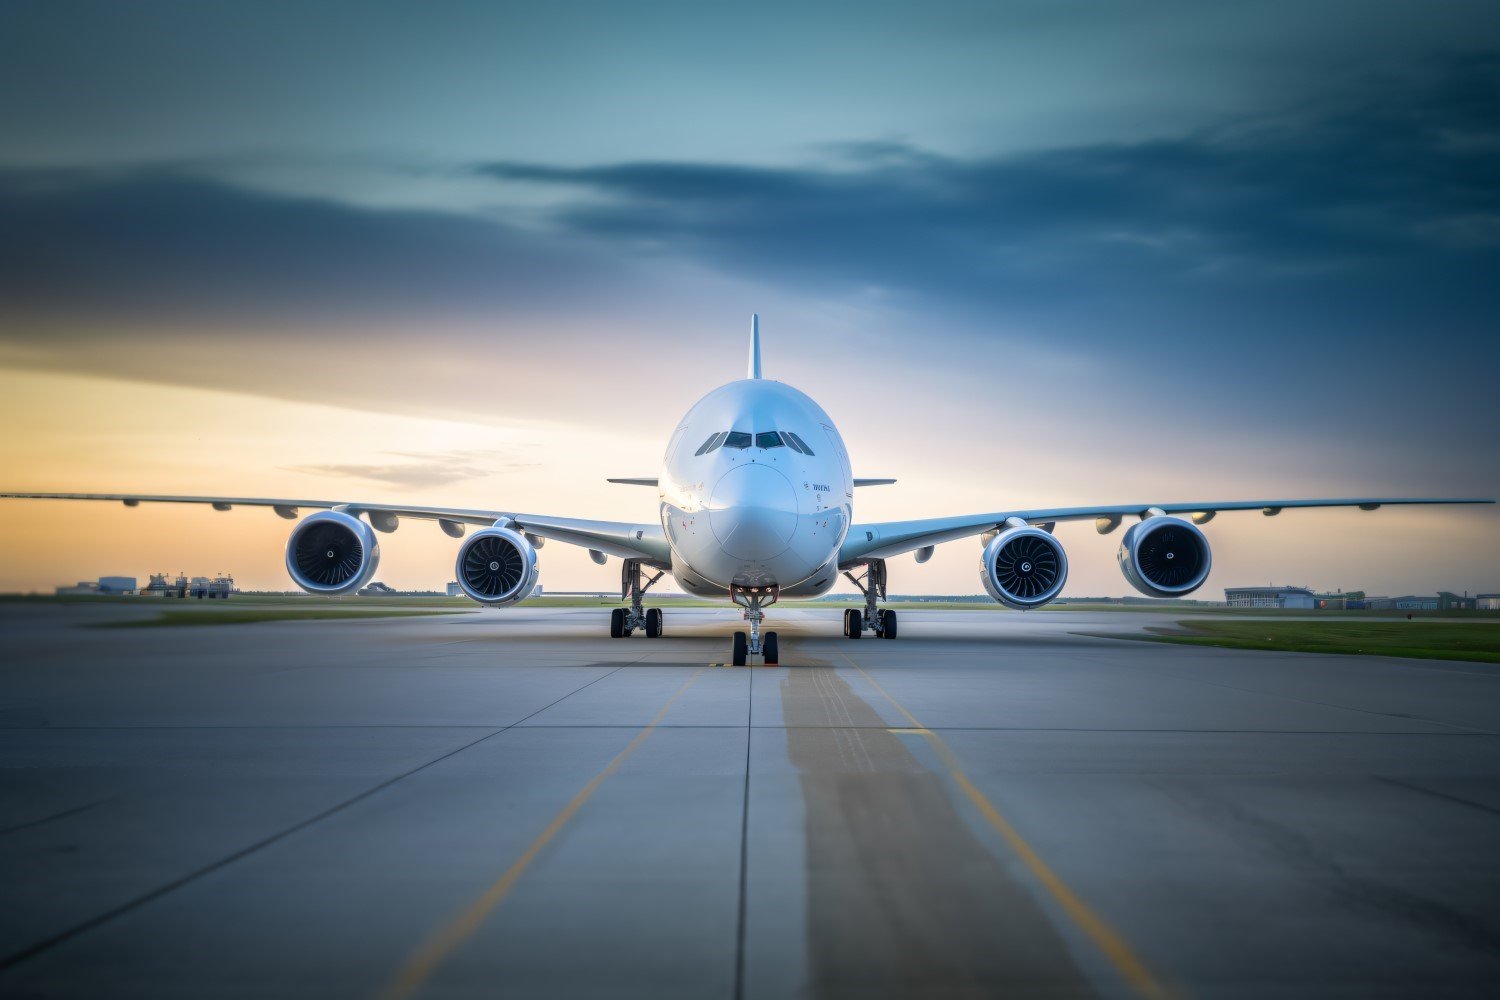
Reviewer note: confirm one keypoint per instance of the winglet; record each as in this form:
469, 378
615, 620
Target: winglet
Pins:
754, 346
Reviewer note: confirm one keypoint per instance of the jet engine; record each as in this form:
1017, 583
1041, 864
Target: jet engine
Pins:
1164, 557
332, 553
497, 567
1024, 568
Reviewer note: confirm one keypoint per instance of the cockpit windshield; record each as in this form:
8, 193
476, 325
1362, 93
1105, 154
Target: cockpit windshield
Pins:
796, 442
714, 440
744, 439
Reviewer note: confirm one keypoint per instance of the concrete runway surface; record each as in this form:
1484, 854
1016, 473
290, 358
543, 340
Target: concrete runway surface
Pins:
513, 804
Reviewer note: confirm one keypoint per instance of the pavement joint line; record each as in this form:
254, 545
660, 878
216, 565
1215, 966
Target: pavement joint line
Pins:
46, 944
454, 933
98, 920
744, 903
29, 824
1104, 937
1445, 796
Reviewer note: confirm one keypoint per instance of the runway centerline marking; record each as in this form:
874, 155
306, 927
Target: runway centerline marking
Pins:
1104, 937
451, 936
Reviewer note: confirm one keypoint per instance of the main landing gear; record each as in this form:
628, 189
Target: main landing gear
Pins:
881, 621
754, 600
633, 586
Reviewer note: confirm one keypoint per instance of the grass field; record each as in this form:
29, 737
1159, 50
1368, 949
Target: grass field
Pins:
1422, 639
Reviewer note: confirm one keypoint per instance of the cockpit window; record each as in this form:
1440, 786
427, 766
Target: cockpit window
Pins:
769, 439
708, 445
737, 439
797, 442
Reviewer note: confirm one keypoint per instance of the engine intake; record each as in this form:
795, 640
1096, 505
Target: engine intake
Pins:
497, 567
1165, 557
332, 553
1024, 568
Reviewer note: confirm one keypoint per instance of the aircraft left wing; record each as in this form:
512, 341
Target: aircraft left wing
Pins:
627, 541
890, 538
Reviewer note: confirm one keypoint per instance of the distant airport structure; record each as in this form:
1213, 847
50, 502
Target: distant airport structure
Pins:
220, 586
1355, 600
104, 585
1270, 597
1442, 601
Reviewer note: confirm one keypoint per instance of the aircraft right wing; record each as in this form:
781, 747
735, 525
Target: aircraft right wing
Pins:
889, 538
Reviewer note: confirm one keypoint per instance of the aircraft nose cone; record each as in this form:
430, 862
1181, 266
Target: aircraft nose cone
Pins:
753, 512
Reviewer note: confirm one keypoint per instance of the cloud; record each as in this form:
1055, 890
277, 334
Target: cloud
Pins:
423, 470
158, 243
1354, 209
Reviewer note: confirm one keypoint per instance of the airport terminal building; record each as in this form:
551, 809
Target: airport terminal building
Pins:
1269, 597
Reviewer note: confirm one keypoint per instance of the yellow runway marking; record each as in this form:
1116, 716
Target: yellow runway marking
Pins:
1105, 938
458, 930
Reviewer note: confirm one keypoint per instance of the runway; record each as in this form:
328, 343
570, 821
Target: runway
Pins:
513, 804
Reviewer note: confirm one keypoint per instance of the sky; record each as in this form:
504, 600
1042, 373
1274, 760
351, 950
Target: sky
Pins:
1026, 254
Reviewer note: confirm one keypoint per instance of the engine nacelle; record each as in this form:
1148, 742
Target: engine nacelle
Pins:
1024, 568
332, 553
497, 567
1165, 557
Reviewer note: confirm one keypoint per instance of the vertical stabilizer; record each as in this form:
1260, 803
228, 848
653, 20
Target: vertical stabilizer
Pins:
754, 346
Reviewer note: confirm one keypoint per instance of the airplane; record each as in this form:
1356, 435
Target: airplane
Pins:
755, 504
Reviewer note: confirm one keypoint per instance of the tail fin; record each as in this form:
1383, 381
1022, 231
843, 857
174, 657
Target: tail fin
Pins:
754, 346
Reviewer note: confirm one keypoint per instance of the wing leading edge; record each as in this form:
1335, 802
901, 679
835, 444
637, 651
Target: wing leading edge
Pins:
627, 541
891, 538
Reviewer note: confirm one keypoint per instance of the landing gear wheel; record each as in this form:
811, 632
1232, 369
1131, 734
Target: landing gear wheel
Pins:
653, 622
856, 624
888, 624
768, 647
846, 623
617, 623
741, 644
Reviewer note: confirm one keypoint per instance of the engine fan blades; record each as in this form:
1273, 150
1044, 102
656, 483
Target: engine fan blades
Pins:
1027, 567
1170, 557
493, 567
328, 554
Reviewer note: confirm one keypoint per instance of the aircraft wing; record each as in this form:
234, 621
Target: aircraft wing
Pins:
627, 541
890, 538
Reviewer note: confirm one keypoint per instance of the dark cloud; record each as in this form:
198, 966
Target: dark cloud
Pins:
1380, 211
158, 243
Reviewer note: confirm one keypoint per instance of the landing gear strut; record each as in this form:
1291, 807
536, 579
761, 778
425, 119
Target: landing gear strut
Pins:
873, 618
633, 587
754, 600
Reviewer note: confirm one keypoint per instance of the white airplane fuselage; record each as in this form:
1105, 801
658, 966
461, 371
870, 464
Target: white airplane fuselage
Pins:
756, 490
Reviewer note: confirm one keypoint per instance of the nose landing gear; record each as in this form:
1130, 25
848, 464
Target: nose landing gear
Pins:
754, 600
881, 621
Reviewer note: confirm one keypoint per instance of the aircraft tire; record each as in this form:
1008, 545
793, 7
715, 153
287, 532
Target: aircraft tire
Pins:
741, 648
617, 623
888, 624
653, 623
856, 623
769, 646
